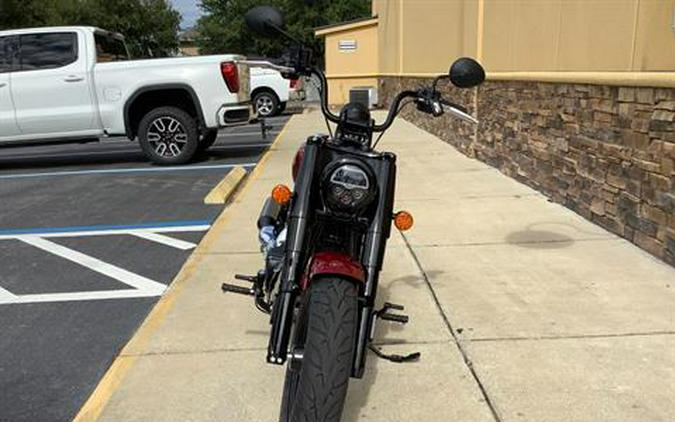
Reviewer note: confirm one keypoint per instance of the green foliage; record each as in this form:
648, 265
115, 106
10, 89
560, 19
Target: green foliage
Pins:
222, 29
150, 26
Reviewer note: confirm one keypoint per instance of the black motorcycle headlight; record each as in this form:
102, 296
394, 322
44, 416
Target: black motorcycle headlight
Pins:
348, 187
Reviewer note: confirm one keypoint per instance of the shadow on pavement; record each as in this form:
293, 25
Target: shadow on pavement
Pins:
539, 239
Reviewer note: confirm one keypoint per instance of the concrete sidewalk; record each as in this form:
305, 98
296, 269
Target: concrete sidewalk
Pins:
522, 310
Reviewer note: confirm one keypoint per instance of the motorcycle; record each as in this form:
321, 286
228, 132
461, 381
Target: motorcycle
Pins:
324, 241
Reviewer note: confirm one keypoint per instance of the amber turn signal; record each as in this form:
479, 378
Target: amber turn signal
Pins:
403, 220
281, 194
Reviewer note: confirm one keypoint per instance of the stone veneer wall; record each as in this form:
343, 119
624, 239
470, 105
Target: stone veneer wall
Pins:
606, 152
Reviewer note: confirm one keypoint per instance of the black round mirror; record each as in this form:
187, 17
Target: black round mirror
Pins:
466, 73
265, 21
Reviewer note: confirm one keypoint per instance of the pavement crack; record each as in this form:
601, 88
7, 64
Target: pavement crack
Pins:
574, 336
533, 242
465, 356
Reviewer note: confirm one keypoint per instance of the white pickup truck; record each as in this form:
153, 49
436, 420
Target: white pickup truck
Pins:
77, 83
270, 91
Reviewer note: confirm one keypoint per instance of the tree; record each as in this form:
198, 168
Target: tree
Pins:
150, 26
222, 28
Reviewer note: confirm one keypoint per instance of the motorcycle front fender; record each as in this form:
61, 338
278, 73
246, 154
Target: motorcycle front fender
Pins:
333, 264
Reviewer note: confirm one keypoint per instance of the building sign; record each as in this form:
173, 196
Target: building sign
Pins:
347, 46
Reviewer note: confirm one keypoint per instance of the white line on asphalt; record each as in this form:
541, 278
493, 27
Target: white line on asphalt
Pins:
78, 296
127, 277
124, 150
6, 296
124, 170
165, 240
107, 232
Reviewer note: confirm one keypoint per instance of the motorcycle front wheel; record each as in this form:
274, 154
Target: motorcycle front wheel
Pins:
316, 384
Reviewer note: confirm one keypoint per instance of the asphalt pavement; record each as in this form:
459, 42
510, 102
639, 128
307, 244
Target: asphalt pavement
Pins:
90, 236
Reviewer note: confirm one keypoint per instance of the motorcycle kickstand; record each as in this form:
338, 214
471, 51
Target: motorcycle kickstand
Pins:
385, 315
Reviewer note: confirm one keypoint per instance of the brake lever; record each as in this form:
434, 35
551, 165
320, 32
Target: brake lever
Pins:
458, 111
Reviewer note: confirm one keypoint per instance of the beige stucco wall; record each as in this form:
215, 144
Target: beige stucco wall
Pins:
338, 88
655, 40
429, 33
422, 36
347, 69
628, 42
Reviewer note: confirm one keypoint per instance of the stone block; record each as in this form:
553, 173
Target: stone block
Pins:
663, 115
626, 94
645, 95
647, 165
666, 105
653, 214
649, 244
616, 180
640, 125
598, 206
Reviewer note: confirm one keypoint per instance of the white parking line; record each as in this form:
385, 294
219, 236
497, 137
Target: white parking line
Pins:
124, 150
6, 296
106, 231
134, 280
139, 286
78, 296
165, 240
124, 171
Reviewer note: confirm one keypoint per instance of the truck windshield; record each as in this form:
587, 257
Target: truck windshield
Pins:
110, 48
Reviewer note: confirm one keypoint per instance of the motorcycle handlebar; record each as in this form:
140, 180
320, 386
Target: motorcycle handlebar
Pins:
394, 109
454, 109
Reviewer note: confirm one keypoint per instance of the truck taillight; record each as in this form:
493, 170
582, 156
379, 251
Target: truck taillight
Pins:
294, 83
230, 75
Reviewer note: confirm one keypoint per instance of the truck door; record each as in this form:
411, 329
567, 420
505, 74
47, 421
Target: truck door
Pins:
51, 88
8, 127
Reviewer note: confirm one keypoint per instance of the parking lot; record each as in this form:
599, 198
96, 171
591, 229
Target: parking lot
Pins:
90, 237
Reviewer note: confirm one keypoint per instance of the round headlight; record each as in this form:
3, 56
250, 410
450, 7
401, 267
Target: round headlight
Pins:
348, 188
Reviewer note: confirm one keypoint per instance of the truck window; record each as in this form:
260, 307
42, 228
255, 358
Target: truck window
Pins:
110, 48
47, 51
4, 56
7, 53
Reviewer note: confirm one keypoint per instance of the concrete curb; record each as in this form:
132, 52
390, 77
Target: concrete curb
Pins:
223, 190
124, 361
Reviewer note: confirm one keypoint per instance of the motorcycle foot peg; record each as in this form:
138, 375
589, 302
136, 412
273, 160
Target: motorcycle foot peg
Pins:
231, 288
401, 319
388, 305
249, 278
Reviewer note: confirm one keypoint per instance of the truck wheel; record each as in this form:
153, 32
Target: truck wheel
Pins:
266, 104
208, 138
168, 135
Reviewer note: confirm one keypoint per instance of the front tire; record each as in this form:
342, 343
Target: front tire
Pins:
316, 386
168, 135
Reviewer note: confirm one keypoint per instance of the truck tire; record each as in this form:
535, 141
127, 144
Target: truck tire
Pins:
266, 103
168, 135
208, 138
316, 387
